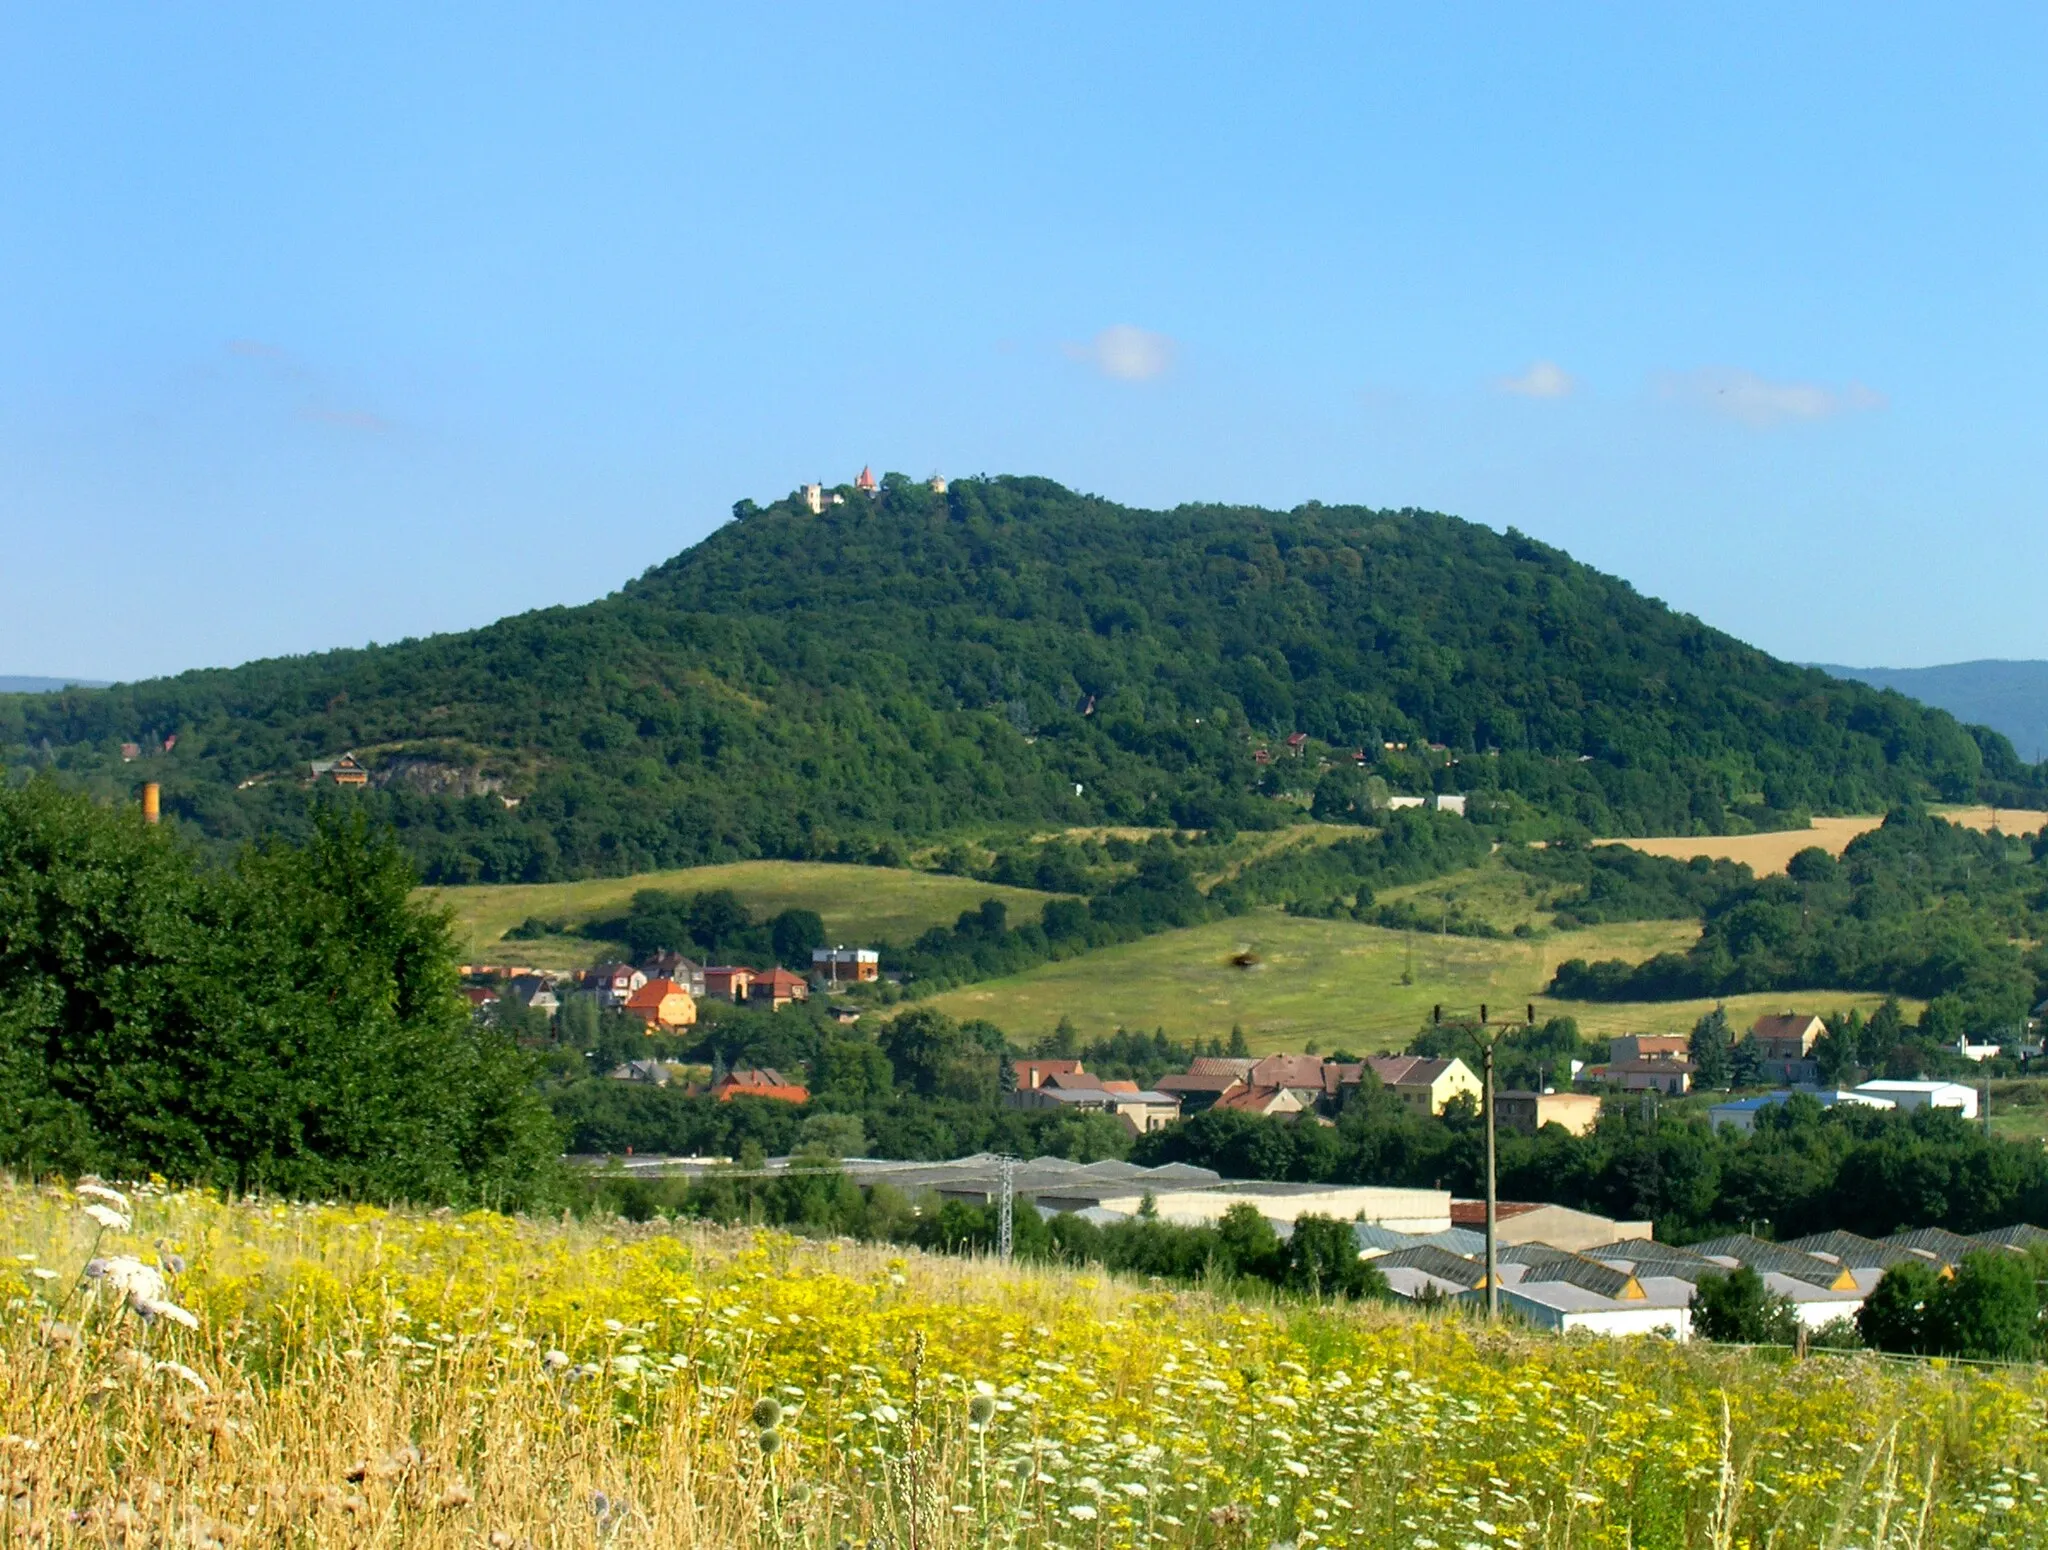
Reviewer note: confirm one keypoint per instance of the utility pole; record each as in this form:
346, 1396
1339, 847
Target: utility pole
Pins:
1006, 1211
1492, 1183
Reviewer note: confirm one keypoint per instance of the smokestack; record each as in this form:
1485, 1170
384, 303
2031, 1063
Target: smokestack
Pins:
152, 805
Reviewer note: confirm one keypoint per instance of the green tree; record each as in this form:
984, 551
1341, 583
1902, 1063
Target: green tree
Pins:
1239, 1048
834, 1135
1990, 1309
794, 934
1247, 1245
1739, 1309
1900, 1313
291, 1024
1712, 1050
1322, 1260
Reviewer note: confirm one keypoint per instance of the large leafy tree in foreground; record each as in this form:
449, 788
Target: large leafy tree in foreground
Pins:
291, 1023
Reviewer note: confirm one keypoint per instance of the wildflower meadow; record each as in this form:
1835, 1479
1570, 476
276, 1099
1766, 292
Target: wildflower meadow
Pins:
185, 1370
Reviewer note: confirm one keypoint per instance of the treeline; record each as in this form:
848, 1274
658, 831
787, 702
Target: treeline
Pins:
918, 666
1919, 907
1804, 1169
290, 1023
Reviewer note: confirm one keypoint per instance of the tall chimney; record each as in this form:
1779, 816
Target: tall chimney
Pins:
152, 804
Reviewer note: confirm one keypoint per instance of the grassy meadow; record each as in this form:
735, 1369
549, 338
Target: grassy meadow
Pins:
858, 904
353, 1376
1338, 983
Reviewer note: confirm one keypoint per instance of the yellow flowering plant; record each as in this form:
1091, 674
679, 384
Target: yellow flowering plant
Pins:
352, 1374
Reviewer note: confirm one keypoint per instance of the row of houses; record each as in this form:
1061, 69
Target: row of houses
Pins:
664, 992
1782, 1044
1281, 1085
748, 1082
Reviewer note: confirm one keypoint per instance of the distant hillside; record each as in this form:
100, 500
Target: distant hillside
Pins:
2008, 697
1010, 652
46, 685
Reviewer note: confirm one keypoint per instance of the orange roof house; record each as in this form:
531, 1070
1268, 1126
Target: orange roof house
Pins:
775, 989
763, 1083
662, 1003
1033, 1073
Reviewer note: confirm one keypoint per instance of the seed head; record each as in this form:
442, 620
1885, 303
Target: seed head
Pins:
980, 1411
771, 1442
767, 1413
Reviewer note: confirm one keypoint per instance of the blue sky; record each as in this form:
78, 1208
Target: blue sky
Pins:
325, 324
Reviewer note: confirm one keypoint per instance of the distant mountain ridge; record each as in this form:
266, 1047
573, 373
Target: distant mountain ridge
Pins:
846, 680
2007, 696
10, 685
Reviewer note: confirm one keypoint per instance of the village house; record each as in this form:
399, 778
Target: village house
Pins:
1784, 1047
1080, 1092
1265, 1101
1670, 1077
1425, 1084
657, 1073
1199, 1090
1529, 1112
536, 993
763, 1083
614, 984
662, 1005
846, 965
776, 989
1031, 1074
1649, 1046
686, 972
728, 982
344, 771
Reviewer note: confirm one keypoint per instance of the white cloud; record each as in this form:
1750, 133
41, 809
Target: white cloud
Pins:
1758, 401
1545, 379
1127, 353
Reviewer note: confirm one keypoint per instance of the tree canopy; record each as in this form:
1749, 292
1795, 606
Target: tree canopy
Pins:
289, 1023
803, 685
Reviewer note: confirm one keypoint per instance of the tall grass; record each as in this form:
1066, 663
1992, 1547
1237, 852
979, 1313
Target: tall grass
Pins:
363, 1377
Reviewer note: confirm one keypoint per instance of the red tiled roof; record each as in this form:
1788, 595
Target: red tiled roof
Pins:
1213, 1065
1253, 1100
779, 978
1407, 1070
1288, 1071
1198, 1082
653, 993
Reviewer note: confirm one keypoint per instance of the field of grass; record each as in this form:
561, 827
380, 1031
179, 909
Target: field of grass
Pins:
1338, 984
859, 904
1767, 853
334, 1375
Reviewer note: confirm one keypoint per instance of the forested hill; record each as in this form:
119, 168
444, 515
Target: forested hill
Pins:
917, 664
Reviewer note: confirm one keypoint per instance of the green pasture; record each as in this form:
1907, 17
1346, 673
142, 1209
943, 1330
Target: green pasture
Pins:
859, 904
1339, 984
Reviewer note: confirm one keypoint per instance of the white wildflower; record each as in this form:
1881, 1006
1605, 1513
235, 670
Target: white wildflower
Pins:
43, 1273
107, 1217
180, 1370
113, 1197
159, 1308
128, 1276
1082, 1511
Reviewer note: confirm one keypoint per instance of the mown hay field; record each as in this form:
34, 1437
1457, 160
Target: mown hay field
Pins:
1767, 854
1339, 983
360, 1377
859, 904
